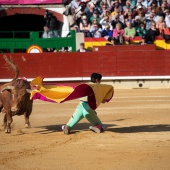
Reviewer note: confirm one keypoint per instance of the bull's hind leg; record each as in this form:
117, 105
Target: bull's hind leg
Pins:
27, 122
7, 122
4, 122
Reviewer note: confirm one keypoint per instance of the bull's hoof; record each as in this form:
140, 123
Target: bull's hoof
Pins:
7, 130
27, 125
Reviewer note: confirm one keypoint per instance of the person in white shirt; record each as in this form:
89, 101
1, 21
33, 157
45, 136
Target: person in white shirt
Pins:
105, 21
168, 21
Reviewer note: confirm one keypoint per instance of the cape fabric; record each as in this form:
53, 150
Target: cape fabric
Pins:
96, 93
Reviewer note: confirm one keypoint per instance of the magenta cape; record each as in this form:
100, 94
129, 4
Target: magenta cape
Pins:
96, 93
78, 92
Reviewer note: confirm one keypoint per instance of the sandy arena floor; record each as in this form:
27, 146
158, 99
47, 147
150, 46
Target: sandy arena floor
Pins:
137, 136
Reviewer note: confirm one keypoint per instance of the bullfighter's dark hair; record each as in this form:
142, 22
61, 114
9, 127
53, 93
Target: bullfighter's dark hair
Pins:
95, 76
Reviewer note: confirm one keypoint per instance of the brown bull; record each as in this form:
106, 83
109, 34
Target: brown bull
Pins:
15, 99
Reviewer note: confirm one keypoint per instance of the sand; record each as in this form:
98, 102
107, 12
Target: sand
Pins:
137, 136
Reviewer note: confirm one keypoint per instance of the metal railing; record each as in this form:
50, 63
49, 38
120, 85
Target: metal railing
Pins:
22, 40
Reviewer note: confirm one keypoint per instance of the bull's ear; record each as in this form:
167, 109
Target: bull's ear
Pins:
29, 90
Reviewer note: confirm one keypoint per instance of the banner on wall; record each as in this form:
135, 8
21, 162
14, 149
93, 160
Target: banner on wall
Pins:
22, 2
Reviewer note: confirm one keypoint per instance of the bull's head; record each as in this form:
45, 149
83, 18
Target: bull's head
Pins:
17, 96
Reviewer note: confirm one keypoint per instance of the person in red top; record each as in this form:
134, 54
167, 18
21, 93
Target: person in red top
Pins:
164, 32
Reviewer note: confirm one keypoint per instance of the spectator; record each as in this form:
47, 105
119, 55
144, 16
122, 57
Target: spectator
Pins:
148, 12
129, 33
94, 16
85, 27
118, 33
137, 22
118, 14
89, 10
151, 35
128, 5
82, 48
47, 32
105, 21
149, 22
107, 32
155, 16
139, 10
167, 20
103, 9
51, 22
95, 31
154, 6
141, 30
164, 32
162, 9
115, 21
146, 3
160, 22
129, 18
116, 5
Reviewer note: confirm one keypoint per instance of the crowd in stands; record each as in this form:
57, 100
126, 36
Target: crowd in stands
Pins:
120, 21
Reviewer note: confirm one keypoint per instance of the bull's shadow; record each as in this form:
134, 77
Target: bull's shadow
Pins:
141, 128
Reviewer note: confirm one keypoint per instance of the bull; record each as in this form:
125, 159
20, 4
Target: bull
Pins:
15, 99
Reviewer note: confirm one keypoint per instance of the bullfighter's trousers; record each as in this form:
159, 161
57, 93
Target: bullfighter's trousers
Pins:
83, 110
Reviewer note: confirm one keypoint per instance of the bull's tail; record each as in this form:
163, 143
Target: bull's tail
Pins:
11, 65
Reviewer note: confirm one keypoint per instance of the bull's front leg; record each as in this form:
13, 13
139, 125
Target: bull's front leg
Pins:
27, 122
7, 121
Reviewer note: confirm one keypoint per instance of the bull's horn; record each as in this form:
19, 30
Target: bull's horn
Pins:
29, 90
7, 88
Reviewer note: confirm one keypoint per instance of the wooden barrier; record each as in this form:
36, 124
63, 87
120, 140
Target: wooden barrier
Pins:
74, 64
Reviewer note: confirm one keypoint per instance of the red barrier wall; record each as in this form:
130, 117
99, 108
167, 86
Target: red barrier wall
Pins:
111, 63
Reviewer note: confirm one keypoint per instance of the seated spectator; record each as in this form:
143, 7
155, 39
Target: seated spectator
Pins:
137, 22
89, 10
154, 6
103, 9
141, 30
151, 34
116, 20
148, 22
116, 4
160, 22
129, 18
161, 11
168, 21
118, 34
95, 16
82, 48
95, 31
47, 32
85, 27
164, 32
105, 21
126, 12
107, 32
129, 33
128, 5
155, 16
139, 10
118, 14
148, 12
146, 3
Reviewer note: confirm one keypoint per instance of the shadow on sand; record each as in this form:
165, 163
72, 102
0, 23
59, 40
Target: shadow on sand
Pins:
141, 128
109, 127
